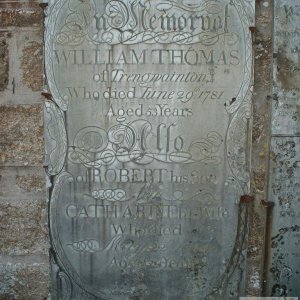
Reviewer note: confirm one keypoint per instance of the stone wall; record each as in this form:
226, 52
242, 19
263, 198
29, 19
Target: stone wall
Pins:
24, 261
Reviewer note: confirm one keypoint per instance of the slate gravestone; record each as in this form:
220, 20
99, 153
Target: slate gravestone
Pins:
148, 147
284, 269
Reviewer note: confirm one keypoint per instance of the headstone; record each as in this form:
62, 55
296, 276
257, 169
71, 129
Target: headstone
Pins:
148, 147
284, 269
284, 191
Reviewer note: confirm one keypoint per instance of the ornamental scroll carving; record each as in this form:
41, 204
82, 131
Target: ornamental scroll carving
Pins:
147, 147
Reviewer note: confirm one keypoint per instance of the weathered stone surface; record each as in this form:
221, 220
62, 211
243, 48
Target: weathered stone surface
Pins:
23, 227
31, 183
32, 65
262, 92
25, 183
25, 74
148, 146
19, 89
4, 64
21, 135
256, 241
253, 280
24, 261
285, 192
24, 281
286, 92
284, 187
20, 13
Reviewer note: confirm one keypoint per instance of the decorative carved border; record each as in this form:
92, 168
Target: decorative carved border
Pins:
238, 149
62, 260
56, 138
52, 13
236, 139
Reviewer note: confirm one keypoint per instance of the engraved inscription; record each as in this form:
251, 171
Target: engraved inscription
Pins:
284, 171
154, 98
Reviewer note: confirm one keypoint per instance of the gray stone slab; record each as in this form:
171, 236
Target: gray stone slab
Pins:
285, 192
286, 98
148, 147
284, 189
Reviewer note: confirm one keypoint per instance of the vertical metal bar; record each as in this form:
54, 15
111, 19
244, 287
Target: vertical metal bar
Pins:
269, 212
